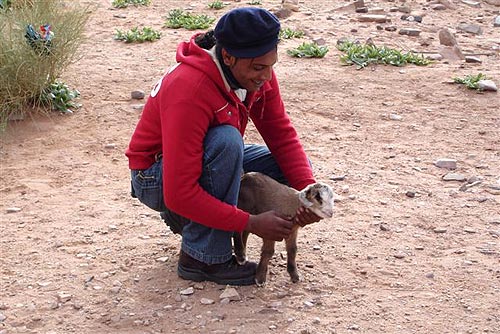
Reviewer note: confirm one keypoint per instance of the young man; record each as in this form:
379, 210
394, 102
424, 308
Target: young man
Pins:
187, 152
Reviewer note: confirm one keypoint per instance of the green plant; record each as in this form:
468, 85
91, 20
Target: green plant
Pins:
365, 54
177, 18
287, 33
4, 4
470, 81
309, 50
255, 2
126, 3
60, 97
135, 35
26, 70
217, 4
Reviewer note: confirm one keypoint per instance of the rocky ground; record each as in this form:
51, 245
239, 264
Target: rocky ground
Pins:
413, 246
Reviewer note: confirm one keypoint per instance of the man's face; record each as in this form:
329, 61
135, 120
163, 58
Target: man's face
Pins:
251, 73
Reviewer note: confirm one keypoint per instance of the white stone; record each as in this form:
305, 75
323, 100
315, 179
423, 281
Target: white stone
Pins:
446, 163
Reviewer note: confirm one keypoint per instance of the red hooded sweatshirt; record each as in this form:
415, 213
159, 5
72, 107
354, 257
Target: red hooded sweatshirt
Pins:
183, 105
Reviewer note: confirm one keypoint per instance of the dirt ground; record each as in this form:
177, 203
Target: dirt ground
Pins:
406, 251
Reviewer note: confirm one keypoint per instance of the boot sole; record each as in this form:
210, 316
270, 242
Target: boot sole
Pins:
199, 276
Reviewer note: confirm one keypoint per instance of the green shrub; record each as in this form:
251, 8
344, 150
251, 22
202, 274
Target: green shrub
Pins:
287, 33
177, 18
365, 54
309, 50
217, 4
470, 81
126, 3
60, 97
28, 68
147, 34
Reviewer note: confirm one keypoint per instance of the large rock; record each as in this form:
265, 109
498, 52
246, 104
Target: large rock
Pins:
493, 2
451, 53
446, 38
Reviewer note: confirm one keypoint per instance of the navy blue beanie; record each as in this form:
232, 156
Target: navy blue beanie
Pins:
247, 32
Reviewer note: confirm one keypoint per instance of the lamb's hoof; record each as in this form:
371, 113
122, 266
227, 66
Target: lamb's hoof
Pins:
295, 277
260, 284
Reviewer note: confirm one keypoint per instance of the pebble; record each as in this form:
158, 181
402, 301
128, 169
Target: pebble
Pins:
472, 59
474, 4
469, 229
110, 146
430, 275
454, 177
395, 117
187, 292
470, 28
410, 193
412, 18
337, 177
13, 210
496, 22
162, 259
206, 301
487, 85
438, 6
409, 32
137, 95
230, 293
446, 163
440, 230
2, 317
353, 327
374, 18
446, 38
400, 255
64, 297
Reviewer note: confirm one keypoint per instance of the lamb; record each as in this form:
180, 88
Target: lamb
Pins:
260, 193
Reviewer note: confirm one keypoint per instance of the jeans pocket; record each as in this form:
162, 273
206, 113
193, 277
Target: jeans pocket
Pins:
148, 188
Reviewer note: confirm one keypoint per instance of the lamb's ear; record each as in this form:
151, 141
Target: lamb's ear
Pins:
303, 197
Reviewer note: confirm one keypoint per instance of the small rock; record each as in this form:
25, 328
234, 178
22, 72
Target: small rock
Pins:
496, 21
453, 53
384, 227
137, 95
337, 177
64, 297
187, 292
470, 28
412, 18
410, 193
446, 163
474, 4
469, 229
396, 117
162, 259
353, 327
110, 146
319, 41
206, 301
454, 177
472, 59
487, 85
13, 210
446, 38
438, 6
409, 32
391, 28
362, 10
430, 275
374, 18
400, 255
230, 293
440, 230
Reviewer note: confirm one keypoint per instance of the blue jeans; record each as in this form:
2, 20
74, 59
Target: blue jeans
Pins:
225, 158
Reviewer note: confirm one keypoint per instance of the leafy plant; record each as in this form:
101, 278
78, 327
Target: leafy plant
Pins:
60, 97
135, 35
365, 54
255, 2
470, 81
25, 71
217, 4
309, 50
126, 3
287, 33
177, 18
4, 4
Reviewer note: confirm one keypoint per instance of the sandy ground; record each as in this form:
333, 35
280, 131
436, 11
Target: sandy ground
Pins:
406, 251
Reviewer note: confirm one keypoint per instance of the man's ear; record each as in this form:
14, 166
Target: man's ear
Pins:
227, 58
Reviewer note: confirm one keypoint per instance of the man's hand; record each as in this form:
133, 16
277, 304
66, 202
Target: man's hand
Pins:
305, 217
269, 225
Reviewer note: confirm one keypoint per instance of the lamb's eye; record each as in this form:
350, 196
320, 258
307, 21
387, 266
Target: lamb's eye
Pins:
318, 198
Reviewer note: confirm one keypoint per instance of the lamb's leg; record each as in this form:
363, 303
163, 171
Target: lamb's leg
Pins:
291, 253
265, 256
240, 246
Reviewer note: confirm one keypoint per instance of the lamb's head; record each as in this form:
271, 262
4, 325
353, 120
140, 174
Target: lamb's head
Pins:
318, 197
